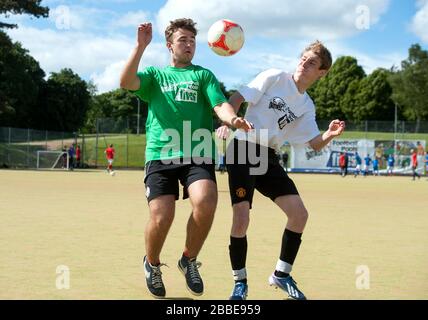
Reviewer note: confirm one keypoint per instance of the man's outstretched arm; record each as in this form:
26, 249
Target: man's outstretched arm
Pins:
129, 79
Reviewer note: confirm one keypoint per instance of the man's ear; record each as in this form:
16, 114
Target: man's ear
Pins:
322, 73
169, 46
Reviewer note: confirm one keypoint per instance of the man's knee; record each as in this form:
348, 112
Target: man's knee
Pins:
203, 196
162, 211
241, 218
299, 215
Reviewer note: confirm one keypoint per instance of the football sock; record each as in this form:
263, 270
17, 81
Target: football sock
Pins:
289, 248
238, 254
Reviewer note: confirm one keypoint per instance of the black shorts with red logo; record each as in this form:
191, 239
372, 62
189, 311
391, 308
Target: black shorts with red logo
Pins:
274, 182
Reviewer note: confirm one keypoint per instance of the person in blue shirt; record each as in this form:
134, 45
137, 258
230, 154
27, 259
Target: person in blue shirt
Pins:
358, 166
426, 162
367, 162
221, 162
390, 166
375, 167
71, 153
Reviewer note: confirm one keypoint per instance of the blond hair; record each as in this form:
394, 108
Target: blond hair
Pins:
322, 52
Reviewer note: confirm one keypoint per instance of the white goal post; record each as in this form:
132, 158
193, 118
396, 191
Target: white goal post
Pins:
53, 160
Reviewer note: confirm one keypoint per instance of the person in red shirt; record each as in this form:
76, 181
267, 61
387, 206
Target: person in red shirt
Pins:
78, 154
110, 158
342, 164
415, 164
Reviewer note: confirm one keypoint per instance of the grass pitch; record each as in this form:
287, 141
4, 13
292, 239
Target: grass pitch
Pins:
94, 223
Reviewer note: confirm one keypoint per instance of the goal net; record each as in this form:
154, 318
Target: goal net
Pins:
53, 160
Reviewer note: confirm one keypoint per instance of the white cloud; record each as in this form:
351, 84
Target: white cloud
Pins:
419, 23
328, 19
108, 79
87, 54
132, 19
65, 17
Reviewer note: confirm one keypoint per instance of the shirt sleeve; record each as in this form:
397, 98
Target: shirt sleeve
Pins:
146, 82
304, 129
212, 90
259, 85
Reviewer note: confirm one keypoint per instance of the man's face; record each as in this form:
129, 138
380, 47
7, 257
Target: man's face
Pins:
182, 46
309, 67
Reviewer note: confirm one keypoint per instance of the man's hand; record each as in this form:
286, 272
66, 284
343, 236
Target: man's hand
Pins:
241, 123
223, 132
144, 34
336, 128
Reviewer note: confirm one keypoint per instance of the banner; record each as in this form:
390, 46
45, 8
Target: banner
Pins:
305, 159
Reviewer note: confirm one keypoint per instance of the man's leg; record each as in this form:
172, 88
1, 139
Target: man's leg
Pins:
238, 249
162, 210
203, 197
297, 215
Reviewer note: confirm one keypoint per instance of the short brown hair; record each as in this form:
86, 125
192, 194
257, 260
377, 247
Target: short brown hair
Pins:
183, 23
321, 51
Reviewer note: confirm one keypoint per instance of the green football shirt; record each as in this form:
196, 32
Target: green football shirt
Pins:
180, 103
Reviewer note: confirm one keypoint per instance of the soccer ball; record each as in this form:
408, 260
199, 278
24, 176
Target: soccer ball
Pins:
112, 173
225, 37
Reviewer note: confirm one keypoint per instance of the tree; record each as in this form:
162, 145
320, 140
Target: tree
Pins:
117, 104
333, 93
31, 7
410, 85
373, 99
65, 101
21, 82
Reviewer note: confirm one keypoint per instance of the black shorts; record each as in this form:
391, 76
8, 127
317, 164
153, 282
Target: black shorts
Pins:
162, 179
273, 183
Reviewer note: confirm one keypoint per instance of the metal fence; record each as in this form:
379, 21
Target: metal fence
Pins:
18, 147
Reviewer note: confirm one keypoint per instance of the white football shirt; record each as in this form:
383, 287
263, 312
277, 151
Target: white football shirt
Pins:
274, 103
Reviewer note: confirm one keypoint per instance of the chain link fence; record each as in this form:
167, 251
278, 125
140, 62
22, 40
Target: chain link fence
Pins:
18, 147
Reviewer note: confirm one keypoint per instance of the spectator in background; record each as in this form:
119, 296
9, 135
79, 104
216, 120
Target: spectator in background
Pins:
390, 167
379, 154
346, 163
375, 166
78, 155
221, 162
358, 166
367, 163
342, 164
64, 157
414, 164
71, 155
426, 163
284, 158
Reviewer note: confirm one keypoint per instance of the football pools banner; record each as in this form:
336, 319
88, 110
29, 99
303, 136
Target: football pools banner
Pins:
305, 159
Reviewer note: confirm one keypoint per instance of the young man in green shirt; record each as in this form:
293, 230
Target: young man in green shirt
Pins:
181, 97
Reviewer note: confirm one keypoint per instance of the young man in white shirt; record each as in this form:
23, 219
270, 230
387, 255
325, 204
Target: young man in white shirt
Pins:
278, 102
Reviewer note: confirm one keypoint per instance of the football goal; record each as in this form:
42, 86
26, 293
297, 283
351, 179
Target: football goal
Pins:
53, 160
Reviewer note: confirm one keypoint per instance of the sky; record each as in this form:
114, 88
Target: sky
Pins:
95, 37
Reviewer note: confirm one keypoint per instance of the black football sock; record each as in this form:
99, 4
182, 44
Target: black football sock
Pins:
238, 254
289, 248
